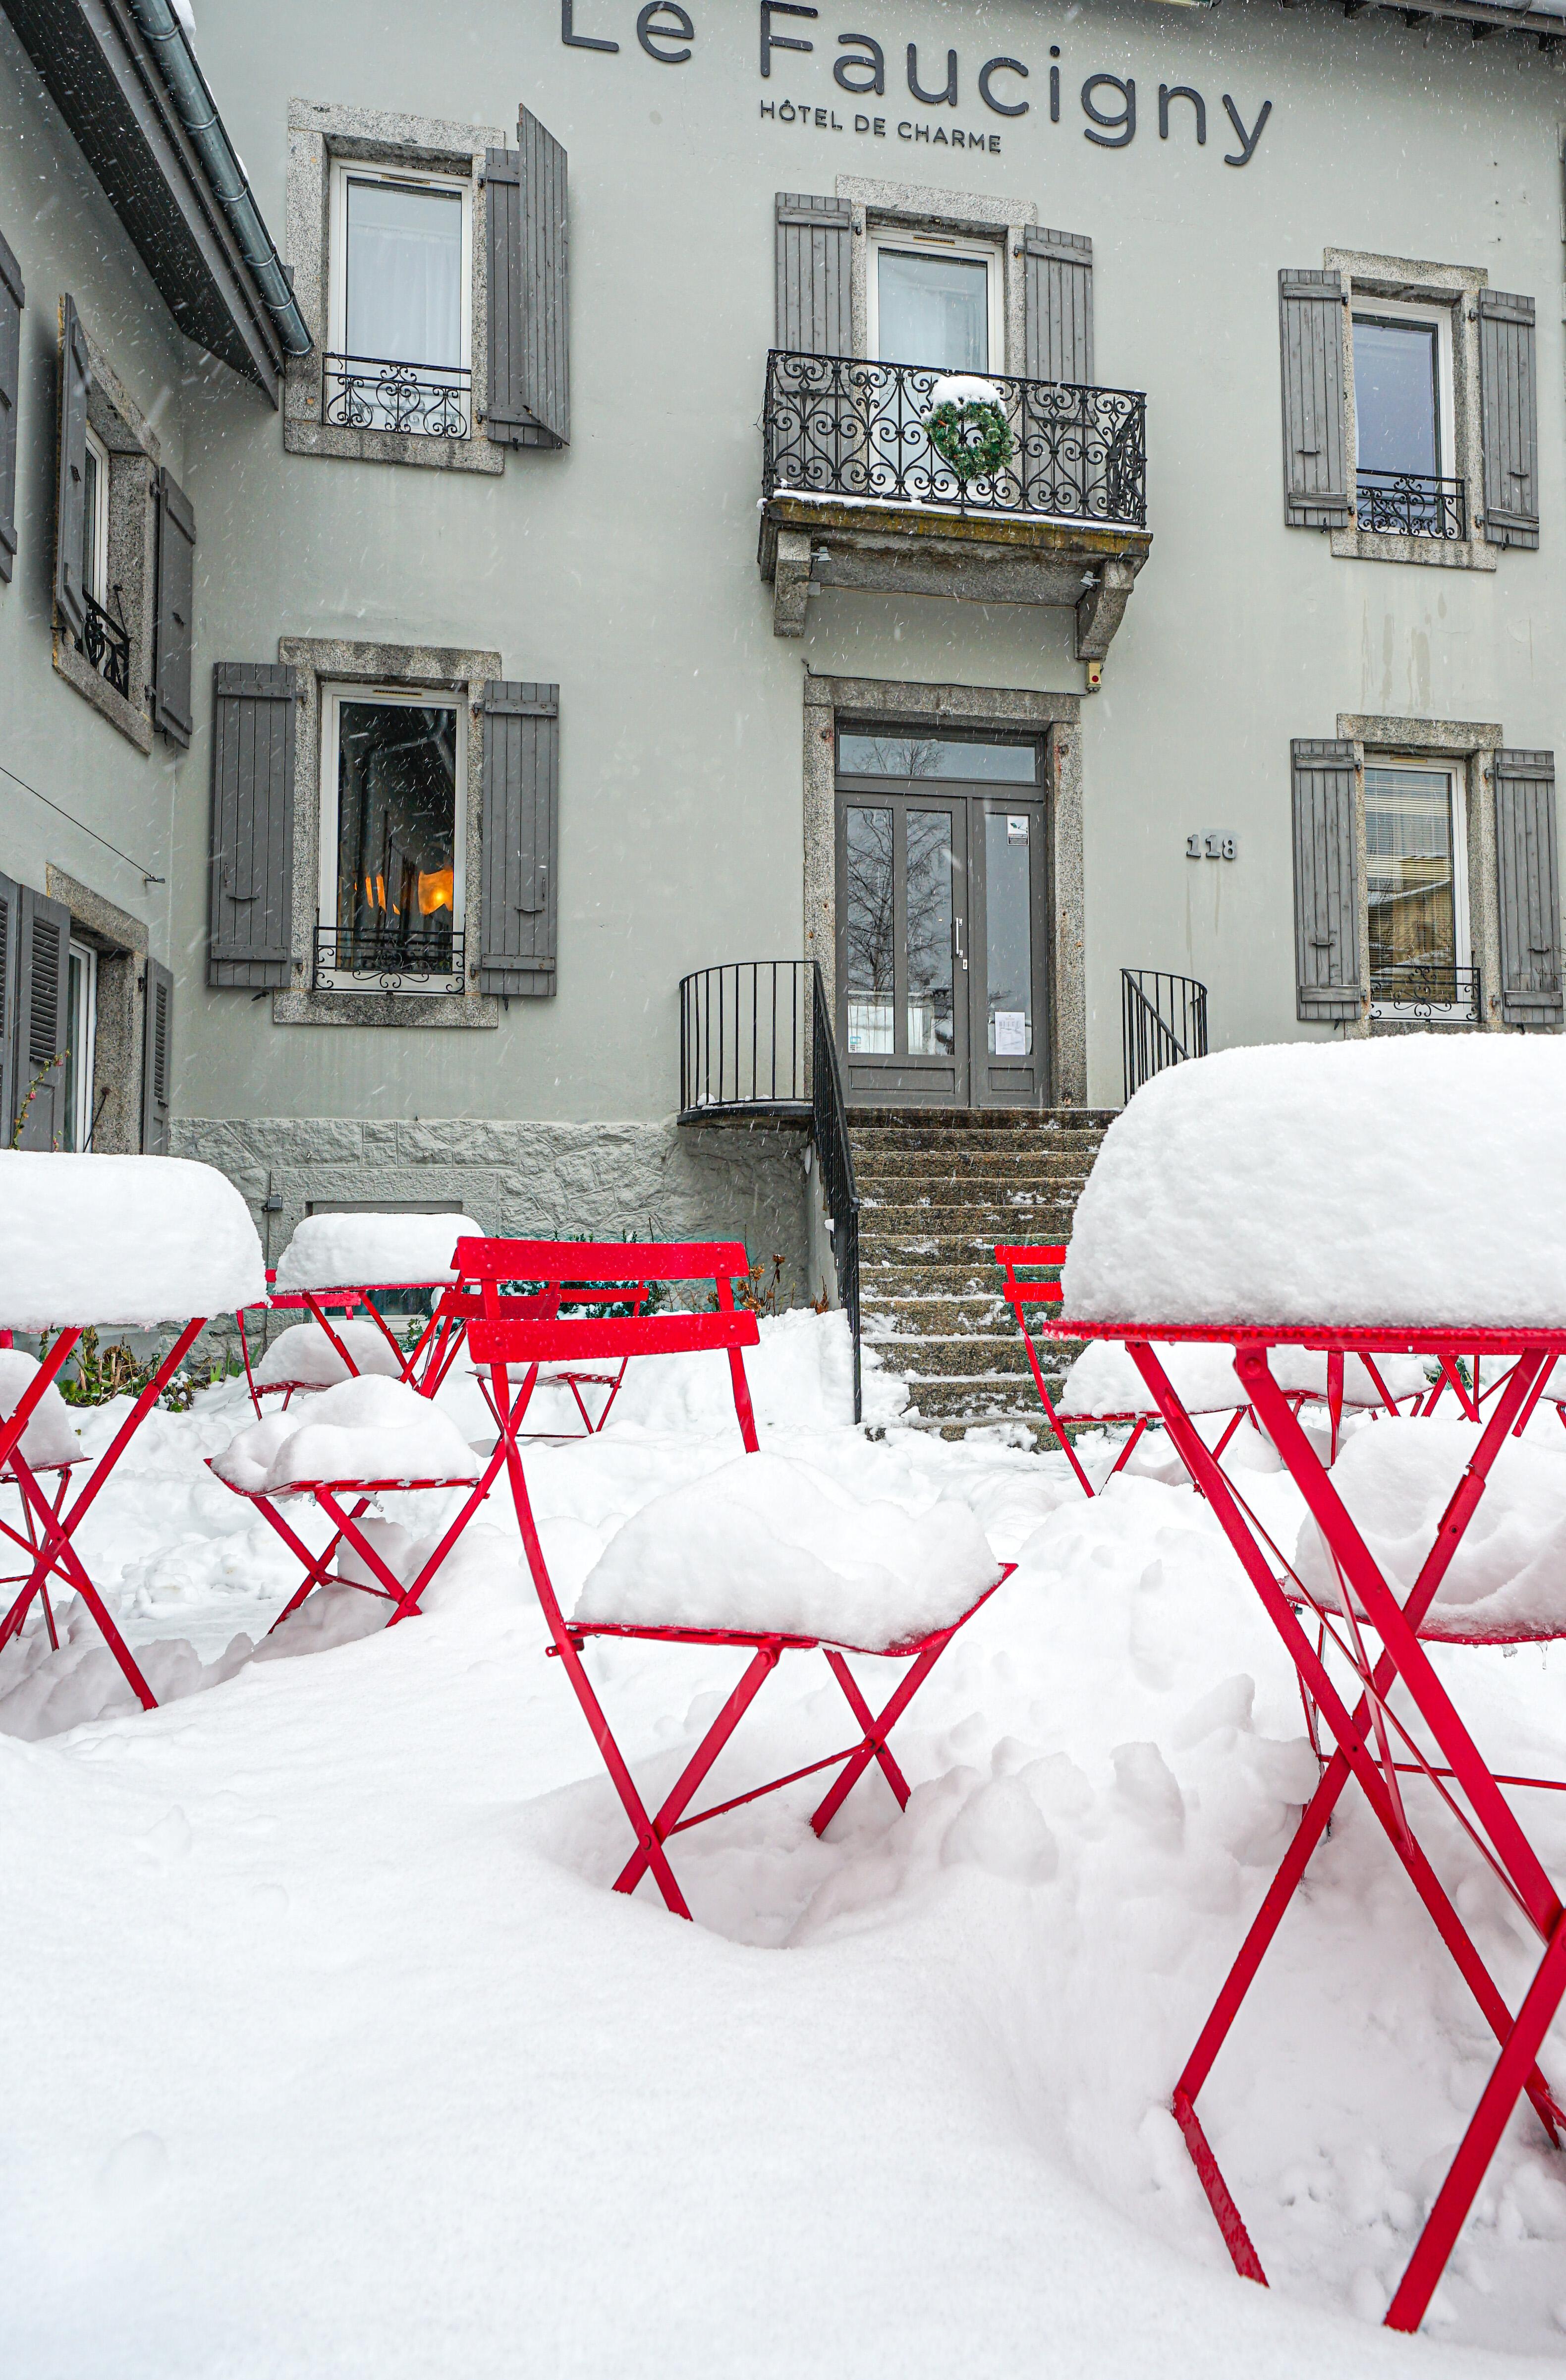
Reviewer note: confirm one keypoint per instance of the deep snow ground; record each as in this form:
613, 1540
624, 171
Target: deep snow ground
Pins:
327, 2050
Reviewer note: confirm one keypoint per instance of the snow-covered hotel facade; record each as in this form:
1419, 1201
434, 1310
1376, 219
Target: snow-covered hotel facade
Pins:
495, 553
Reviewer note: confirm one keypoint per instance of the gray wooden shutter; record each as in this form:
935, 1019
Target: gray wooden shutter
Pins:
530, 375
12, 298
1529, 884
1327, 974
1058, 306
157, 1058
517, 944
42, 1017
814, 279
171, 618
10, 944
1509, 415
251, 912
76, 379
1316, 471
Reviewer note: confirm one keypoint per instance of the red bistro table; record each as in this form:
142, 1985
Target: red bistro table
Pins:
1375, 1743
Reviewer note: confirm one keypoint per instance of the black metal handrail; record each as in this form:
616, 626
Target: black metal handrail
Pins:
1411, 503
379, 393
744, 1038
104, 644
834, 1155
1419, 991
387, 956
839, 426
1163, 1019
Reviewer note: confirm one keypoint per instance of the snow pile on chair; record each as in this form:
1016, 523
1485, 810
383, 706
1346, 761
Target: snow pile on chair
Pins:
121, 1241
1334, 1184
360, 1430
303, 1356
344, 1251
1508, 1577
51, 1435
766, 1545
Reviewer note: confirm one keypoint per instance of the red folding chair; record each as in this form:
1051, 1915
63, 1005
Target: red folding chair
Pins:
1398, 1692
521, 1344
51, 1522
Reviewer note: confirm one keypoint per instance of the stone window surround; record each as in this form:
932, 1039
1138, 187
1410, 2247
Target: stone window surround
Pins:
134, 457
1457, 287
1474, 743
317, 135
121, 944
890, 703
442, 669
873, 205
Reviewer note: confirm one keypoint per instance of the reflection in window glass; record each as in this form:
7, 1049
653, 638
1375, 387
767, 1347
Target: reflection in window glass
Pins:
403, 275
929, 934
81, 1020
933, 310
937, 756
396, 825
869, 926
1397, 411
1009, 933
1408, 834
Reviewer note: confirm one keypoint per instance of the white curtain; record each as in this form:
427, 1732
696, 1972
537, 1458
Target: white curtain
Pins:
403, 275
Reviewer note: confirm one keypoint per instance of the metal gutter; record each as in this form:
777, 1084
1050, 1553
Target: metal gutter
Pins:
197, 110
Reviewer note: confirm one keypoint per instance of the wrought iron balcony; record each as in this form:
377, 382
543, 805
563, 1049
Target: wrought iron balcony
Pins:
385, 958
838, 426
104, 644
378, 392
1419, 993
1411, 503
1163, 1020
744, 1040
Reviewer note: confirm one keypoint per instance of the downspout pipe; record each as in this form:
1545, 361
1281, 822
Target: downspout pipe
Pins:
198, 112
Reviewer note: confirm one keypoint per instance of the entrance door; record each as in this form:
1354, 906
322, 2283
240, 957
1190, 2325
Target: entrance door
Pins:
940, 904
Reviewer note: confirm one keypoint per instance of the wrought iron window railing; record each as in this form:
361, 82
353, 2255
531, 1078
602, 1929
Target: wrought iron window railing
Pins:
378, 392
1410, 504
383, 958
1163, 1019
1420, 992
839, 426
104, 645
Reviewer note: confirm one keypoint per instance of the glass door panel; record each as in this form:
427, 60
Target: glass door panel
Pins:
1008, 894
902, 996
869, 906
931, 937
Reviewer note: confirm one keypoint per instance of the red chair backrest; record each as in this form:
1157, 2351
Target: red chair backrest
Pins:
1019, 1293
529, 1329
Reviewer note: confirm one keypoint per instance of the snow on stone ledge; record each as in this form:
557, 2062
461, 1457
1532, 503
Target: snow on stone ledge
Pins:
120, 1241
1415, 1181
347, 1251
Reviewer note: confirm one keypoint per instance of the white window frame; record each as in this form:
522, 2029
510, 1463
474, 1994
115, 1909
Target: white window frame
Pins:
1436, 317
346, 170
97, 528
413, 698
909, 240
1423, 764
84, 1059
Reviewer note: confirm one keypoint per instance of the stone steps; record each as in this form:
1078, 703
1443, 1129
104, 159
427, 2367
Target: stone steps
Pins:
936, 1192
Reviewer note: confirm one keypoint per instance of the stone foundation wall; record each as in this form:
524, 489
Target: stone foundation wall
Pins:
531, 1181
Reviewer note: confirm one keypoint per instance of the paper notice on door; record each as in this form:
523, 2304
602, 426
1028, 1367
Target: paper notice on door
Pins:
1016, 829
1011, 1033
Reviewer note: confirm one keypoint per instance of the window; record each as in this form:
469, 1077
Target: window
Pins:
936, 302
81, 1028
95, 522
392, 858
1416, 888
399, 340
1403, 383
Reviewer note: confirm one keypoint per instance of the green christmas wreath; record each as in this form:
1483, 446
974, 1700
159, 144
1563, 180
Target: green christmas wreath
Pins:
973, 438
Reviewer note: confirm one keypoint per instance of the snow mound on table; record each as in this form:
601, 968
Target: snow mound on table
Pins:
347, 1251
1104, 1380
303, 1355
1333, 1183
1508, 1577
121, 1240
51, 1436
361, 1430
766, 1543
